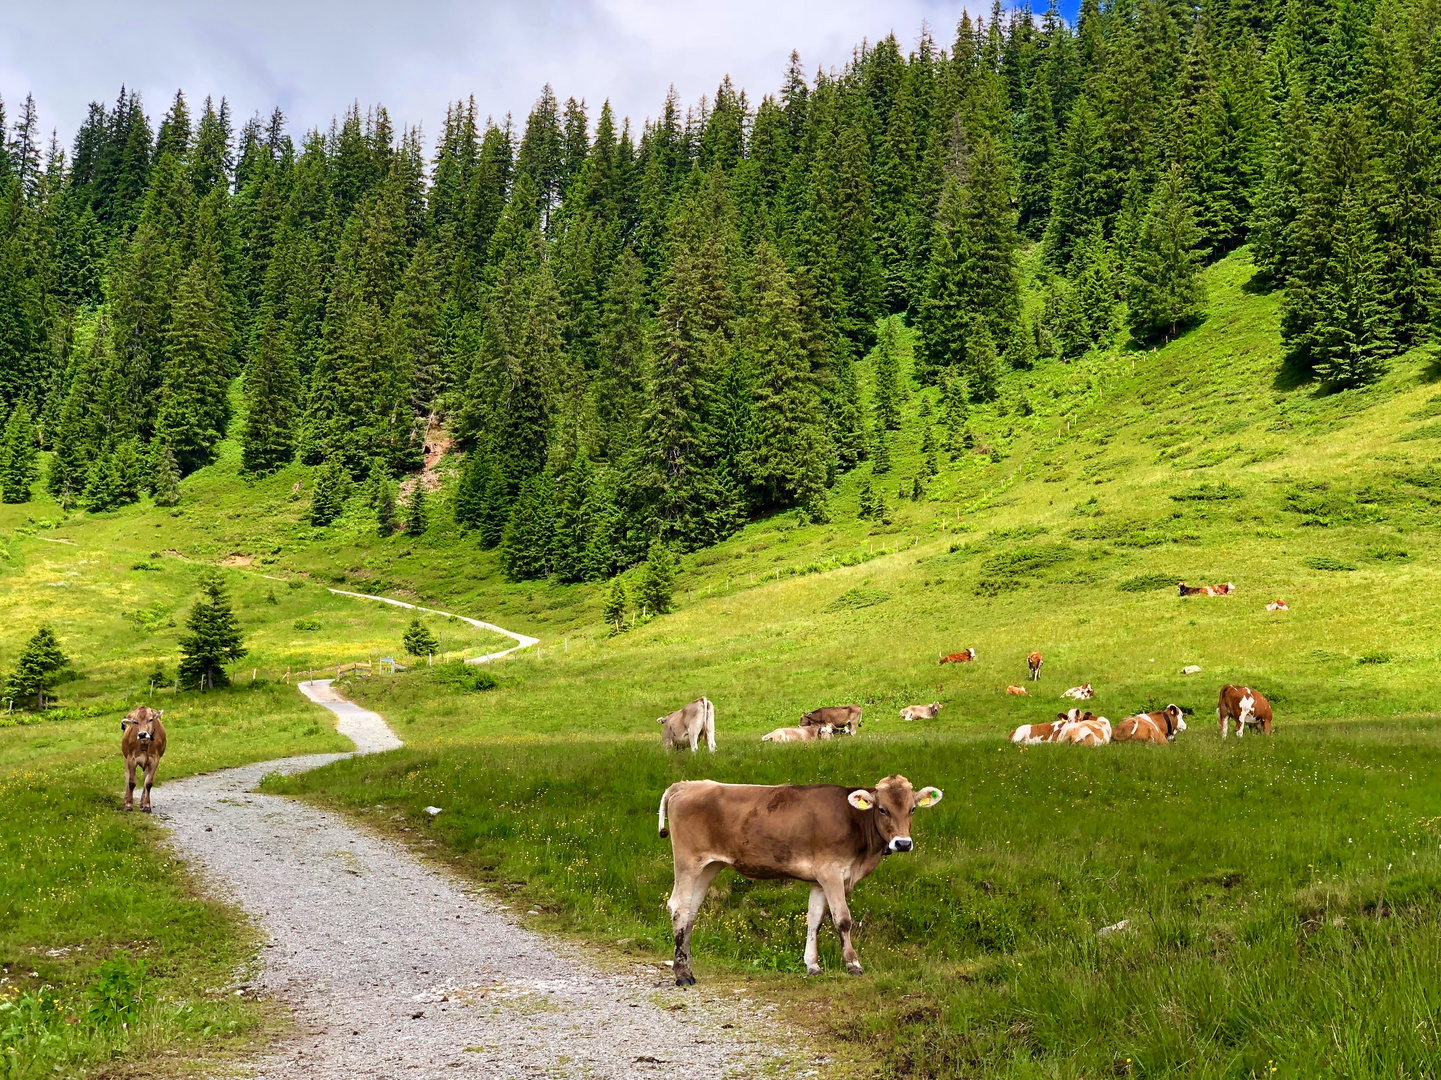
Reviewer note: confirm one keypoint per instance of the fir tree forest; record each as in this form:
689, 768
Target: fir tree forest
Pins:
643, 334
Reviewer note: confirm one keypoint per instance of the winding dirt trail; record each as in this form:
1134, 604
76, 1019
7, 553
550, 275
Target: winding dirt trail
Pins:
395, 969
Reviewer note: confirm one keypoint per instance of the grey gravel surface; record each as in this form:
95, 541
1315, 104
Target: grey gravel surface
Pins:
396, 969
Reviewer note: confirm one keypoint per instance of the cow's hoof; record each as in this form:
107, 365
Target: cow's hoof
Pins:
813, 970
145, 809
685, 980
854, 969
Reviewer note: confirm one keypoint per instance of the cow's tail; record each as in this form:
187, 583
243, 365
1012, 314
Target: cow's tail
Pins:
664, 800
709, 723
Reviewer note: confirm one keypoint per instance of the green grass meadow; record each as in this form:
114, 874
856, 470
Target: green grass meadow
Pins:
1282, 895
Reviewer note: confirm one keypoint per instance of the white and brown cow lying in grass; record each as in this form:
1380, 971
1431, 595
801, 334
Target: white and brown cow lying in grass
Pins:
965, 656
1075, 726
921, 712
828, 835
799, 734
142, 744
1206, 590
688, 725
1156, 727
1079, 693
1245, 706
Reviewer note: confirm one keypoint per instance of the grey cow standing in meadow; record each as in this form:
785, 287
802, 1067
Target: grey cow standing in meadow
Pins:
687, 725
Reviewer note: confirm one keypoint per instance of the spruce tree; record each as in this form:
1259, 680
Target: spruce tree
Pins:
1165, 283
214, 638
385, 507
525, 545
881, 459
164, 475
887, 376
194, 408
1351, 330
18, 452
37, 668
657, 580
983, 370
417, 512
615, 605
332, 489
272, 393
419, 639
785, 460
470, 490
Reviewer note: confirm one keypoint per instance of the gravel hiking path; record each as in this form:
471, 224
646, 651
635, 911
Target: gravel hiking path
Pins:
522, 641
395, 969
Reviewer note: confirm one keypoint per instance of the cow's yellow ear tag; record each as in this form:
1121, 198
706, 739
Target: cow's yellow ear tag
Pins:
929, 796
861, 800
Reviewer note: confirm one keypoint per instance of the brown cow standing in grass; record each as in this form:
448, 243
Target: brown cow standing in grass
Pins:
688, 725
1034, 662
142, 743
845, 718
1245, 706
830, 836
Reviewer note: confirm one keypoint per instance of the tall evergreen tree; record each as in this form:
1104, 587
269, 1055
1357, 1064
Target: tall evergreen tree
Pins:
272, 392
18, 453
194, 407
214, 637
38, 668
1164, 282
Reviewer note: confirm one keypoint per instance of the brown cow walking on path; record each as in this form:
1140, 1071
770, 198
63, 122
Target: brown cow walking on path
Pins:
830, 836
142, 744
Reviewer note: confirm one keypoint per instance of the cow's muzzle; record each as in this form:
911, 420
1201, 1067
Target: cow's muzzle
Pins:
144, 736
901, 843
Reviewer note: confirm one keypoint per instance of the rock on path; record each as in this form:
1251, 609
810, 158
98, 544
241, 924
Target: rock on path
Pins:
395, 969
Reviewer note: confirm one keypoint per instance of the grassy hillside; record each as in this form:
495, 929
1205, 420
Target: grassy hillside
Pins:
1269, 886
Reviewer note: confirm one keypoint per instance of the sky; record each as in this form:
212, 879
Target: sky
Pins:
312, 58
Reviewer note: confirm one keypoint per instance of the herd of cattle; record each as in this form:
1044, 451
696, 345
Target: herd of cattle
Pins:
827, 835
1238, 705
832, 837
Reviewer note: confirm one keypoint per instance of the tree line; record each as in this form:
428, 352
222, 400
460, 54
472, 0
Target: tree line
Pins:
651, 335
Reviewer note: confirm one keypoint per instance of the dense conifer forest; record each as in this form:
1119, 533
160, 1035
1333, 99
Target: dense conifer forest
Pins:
642, 335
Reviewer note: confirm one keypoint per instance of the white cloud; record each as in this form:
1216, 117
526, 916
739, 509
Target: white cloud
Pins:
313, 58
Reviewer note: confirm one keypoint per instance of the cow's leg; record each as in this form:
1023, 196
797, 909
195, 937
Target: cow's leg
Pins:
130, 783
1225, 722
694, 739
1266, 725
149, 779
1240, 726
835, 894
685, 900
814, 914
710, 727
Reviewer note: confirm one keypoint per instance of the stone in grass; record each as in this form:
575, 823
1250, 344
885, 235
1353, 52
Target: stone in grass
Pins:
432, 810
1191, 669
1114, 928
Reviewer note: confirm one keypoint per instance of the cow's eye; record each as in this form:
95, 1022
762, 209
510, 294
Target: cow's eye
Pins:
883, 810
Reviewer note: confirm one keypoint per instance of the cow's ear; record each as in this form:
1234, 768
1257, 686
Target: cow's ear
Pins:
861, 800
928, 796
